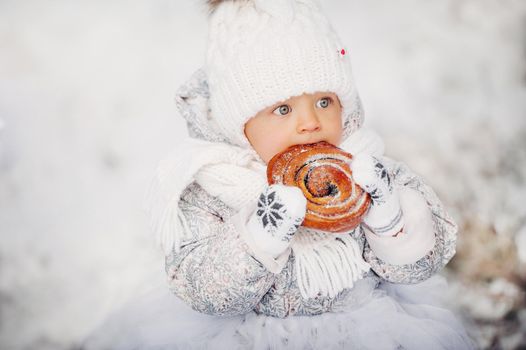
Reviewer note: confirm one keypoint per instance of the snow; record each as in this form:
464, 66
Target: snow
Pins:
87, 110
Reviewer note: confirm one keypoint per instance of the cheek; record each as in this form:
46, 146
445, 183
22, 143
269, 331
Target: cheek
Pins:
266, 139
273, 142
334, 129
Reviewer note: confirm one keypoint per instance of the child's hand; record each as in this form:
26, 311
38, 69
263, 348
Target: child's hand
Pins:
384, 217
280, 211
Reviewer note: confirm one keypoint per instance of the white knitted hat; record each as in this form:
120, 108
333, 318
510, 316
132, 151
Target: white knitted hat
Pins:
261, 52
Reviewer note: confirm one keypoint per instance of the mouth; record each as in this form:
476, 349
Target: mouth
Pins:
313, 143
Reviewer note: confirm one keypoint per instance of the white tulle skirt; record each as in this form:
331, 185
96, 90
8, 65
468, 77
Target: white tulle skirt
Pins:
393, 316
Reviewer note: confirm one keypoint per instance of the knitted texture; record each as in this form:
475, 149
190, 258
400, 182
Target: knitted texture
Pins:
237, 177
280, 211
261, 52
384, 217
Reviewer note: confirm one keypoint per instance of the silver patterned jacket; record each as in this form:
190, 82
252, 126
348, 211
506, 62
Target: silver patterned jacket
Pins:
216, 273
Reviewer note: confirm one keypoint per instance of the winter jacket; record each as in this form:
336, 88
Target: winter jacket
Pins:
217, 272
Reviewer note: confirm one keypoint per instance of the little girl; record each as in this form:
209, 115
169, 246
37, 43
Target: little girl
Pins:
242, 271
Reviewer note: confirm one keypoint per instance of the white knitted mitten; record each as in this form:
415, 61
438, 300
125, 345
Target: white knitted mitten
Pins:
280, 211
384, 217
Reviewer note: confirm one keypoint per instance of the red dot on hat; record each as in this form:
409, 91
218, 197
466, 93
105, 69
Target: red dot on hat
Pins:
342, 51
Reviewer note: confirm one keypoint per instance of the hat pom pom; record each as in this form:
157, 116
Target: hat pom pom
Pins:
213, 4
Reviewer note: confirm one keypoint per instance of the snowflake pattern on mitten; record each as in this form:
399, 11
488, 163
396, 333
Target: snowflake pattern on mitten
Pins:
270, 211
378, 193
273, 217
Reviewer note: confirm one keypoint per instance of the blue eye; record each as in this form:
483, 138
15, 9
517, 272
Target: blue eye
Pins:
324, 102
281, 110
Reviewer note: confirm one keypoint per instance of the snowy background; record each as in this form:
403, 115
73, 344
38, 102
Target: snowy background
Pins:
87, 111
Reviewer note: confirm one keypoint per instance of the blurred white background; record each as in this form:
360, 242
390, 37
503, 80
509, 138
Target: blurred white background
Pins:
87, 111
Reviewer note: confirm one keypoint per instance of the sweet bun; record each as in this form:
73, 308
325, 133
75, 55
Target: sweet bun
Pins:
335, 203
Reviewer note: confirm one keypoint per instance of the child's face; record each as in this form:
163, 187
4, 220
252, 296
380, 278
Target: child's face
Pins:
308, 118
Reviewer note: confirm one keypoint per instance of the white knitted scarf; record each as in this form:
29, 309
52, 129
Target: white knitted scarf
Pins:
325, 263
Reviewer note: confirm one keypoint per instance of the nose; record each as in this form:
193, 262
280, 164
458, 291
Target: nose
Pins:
308, 122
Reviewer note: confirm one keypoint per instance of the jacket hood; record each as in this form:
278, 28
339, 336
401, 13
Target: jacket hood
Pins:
192, 102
